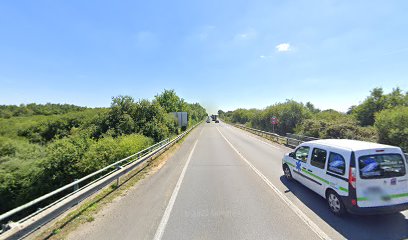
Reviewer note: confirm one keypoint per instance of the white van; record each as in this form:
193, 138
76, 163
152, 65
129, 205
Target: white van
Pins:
353, 176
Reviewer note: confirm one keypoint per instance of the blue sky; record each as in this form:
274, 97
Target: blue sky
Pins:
223, 54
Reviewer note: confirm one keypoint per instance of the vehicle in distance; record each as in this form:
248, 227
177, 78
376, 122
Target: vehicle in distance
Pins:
217, 121
353, 176
208, 120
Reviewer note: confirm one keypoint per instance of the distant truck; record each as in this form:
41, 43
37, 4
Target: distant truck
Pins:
214, 117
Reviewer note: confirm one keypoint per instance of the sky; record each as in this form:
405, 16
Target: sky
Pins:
223, 54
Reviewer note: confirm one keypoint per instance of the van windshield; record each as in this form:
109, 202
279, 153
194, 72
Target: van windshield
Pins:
381, 166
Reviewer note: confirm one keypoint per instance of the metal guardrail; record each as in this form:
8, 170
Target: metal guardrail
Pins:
23, 227
291, 142
301, 137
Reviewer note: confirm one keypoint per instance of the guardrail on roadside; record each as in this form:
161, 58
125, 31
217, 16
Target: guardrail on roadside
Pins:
112, 172
301, 137
291, 142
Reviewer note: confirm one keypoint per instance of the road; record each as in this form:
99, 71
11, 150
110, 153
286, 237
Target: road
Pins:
225, 183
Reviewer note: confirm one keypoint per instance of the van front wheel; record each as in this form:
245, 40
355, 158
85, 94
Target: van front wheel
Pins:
336, 206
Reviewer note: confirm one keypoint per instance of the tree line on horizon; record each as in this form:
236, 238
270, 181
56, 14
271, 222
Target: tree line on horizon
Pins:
46, 148
32, 109
379, 118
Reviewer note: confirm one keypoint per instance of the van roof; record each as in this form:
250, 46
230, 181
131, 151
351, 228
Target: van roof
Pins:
353, 145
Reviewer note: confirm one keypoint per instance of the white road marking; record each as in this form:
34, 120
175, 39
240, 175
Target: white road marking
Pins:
201, 132
295, 209
259, 140
167, 212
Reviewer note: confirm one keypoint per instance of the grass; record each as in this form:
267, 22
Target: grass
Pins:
87, 210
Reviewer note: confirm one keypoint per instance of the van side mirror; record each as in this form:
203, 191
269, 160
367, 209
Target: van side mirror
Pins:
292, 154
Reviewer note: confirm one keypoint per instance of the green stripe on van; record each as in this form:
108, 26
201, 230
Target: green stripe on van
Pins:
319, 178
390, 196
398, 195
343, 189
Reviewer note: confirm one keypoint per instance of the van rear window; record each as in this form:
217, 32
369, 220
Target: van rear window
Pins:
336, 163
381, 166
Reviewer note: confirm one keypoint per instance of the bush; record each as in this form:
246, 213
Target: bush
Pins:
16, 187
57, 126
333, 124
7, 147
109, 150
63, 157
289, 114
376, 102
243, 115
392, 126
7, 111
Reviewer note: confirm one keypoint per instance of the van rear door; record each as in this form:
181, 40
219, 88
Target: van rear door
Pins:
382, 178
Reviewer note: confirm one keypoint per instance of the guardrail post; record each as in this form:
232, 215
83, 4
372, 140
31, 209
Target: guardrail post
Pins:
76, 186
117, 179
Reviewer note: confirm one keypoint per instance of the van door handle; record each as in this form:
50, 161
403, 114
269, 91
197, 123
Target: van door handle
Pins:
309, 170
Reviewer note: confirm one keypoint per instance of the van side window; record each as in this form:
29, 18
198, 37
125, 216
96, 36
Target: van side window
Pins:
318, 158
336, 163
302, 153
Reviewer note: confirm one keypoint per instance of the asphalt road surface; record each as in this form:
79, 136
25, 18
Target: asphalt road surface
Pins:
225, 183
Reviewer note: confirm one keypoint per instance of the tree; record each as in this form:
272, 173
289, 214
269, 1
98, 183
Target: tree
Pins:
395, 98
153, 121
376, 102
392, 126
170, 101
312, 108
120, 115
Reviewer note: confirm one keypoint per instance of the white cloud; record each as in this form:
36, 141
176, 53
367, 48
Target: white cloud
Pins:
283, 47
265, 56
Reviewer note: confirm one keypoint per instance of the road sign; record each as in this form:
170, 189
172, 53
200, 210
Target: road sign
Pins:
274, 120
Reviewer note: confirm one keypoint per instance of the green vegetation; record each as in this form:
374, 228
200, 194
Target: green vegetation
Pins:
43, 147
392, 126
91, 206
379, 118
376, 102
8, 111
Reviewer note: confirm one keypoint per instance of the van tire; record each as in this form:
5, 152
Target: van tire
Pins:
335, 203
287, 172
